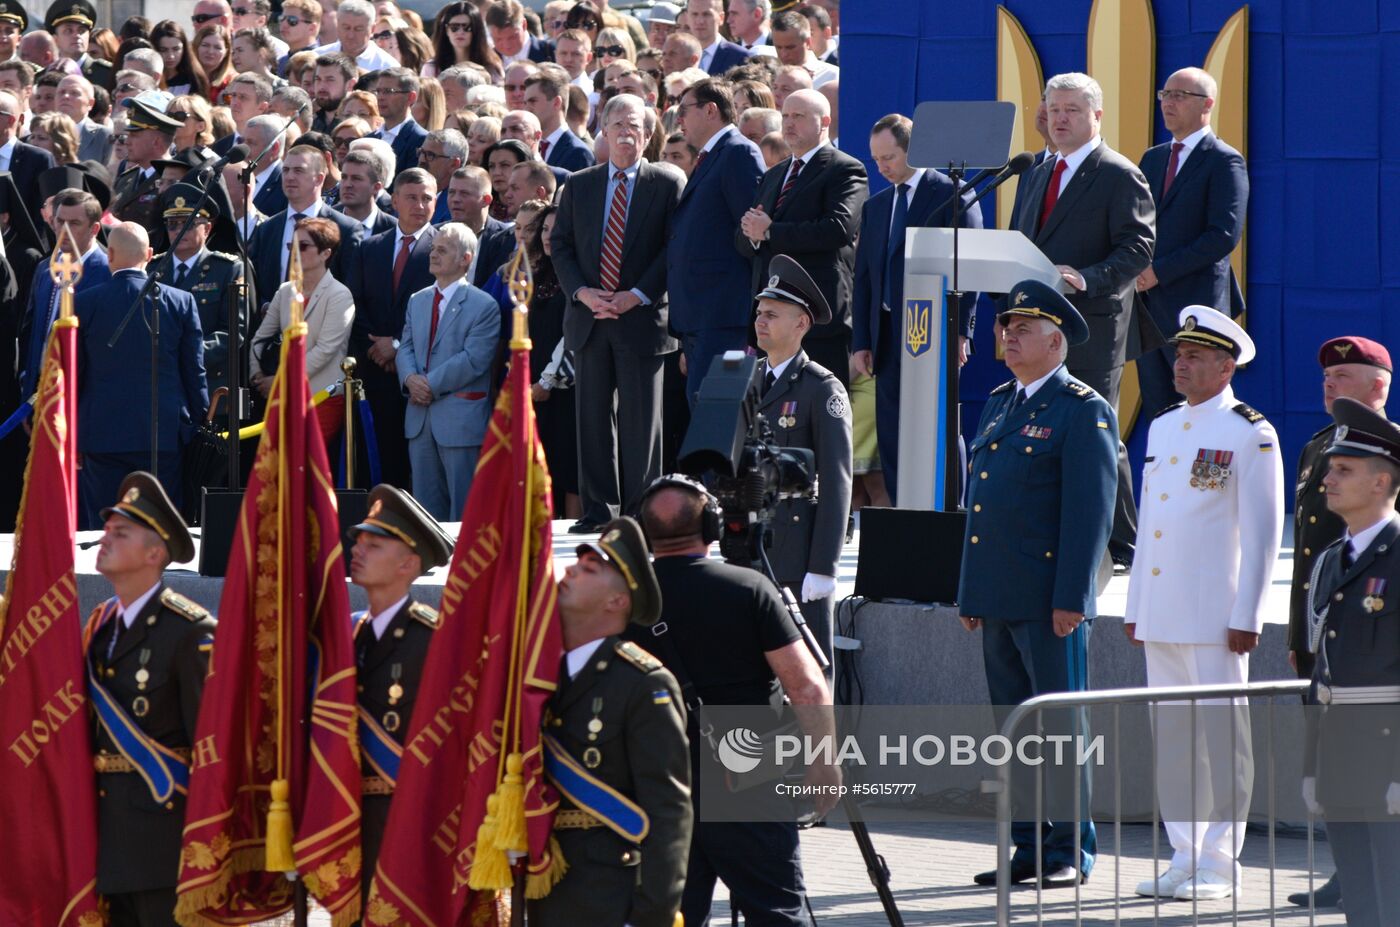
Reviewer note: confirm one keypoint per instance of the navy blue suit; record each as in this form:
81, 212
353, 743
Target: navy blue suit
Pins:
726, 56
27, 162
271, 198
265, 248
114, 388
495, 245
406, 144
570, 153
541, 49
1199, 223
1041, 488
42, 311
710, 282
380, 310
880, 267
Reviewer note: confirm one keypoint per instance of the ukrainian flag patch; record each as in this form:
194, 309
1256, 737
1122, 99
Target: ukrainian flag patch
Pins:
1102, 424
1266, 447
661, 697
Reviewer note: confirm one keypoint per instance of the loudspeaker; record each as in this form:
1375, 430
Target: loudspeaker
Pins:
219, 515
910, 554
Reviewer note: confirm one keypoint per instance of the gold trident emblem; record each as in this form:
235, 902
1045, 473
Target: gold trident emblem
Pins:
66, 269
916, 327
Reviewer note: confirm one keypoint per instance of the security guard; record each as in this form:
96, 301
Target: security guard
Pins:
96, 70
396, 543
1351, 767
147, 653
137, 189
1209, 533
1043, 480
615, 748
14, 13
211, 277
807, 407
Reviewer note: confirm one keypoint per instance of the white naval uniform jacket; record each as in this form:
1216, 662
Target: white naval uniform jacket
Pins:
1209, 525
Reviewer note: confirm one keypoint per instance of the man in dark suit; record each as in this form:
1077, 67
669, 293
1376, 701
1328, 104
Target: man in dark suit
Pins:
877, 309
303, 176
268, 196
711, 283
546, 95
1090, 211
26, 162
703, 17
361, 183
1201, 190
114, 383
511, 39
397, 91
609, 246
469, 202
808, 207
387, 269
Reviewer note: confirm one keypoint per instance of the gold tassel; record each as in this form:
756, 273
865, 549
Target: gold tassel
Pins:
490, 867
538, 884
279, 830
510, 808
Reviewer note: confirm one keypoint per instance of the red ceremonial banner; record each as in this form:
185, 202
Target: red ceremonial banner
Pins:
48, 805
475, 733
277, 723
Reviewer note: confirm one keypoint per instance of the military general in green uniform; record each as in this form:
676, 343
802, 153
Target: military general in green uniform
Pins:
147, 653
616, 749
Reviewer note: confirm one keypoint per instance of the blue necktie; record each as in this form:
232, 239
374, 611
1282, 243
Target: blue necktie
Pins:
894, 257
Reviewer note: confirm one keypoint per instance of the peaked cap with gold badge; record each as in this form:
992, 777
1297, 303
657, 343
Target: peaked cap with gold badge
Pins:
395, 514
143, 500
623, 547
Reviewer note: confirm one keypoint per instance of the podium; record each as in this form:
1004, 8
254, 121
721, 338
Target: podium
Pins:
989, 261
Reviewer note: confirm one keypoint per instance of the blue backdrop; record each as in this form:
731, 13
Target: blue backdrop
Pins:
1324, 167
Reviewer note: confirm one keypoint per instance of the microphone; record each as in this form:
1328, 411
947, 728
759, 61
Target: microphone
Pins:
1014, 168
235, 154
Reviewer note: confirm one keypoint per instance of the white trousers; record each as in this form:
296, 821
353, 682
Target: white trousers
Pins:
1205, 766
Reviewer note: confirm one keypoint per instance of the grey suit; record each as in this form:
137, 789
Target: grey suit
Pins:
618, 361
808, 407
94, 142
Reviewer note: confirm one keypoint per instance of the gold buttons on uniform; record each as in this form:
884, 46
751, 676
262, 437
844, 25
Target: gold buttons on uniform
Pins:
1156, 571
1156, 534
1306, 585
1185, 426
1332, 634
974, 539
1049, 554
1028, 448
1164, 497
1307, 551
983, 474
994, 445
1312, 519
977, 507
1173, 460
1337, 597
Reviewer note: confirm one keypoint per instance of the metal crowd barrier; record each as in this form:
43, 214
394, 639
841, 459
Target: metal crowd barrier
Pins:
1116, 698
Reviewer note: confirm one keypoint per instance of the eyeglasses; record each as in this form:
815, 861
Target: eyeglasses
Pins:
617, 51
118, 139
126, 88
589, 24
390, 91
459, 27
384, 36
344, 143
557, 23
682, 107
241, 11
1179, 96
200, 19
656, 74
292, 21
428, 157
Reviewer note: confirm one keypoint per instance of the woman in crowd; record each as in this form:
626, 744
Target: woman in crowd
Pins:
301, 71
383, 35
551, 369
183, 74
197, 130
55, 133
430, 109
462, 121
586, 17
613, 45
460, 38
328, 313
751, 94
501, 159
103, 43
253, 51
415, 48
484, 132
214, 52
364, 105
346, 131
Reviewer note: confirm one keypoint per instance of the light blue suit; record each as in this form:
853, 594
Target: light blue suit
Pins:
444, 438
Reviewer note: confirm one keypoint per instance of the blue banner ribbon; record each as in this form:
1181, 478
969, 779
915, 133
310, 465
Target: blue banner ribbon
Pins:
371, 442
163, 771
10, 424
382, 751
615, 810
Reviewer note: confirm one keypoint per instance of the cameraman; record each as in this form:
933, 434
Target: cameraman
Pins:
807, 407
725, 635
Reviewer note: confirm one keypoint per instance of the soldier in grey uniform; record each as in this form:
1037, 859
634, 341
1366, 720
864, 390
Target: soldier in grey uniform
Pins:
396, 543
615, 747
807, 407
209, 276
1350, 764
147, 653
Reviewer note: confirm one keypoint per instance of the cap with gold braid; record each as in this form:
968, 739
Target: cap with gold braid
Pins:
70, 11
1214, 329
1362, 432
12, 11
179, 202
143, 500
623, 547
393, 513
1032, 299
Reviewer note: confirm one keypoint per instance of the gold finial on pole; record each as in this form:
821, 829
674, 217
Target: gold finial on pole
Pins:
521, 281
66, 269
294, 275
349, 383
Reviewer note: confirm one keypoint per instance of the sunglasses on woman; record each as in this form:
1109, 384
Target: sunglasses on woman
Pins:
459, 27
616, 51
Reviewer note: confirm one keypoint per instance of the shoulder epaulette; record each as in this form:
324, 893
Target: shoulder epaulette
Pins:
1003, 388
224, 256
1322, 431
187, 609
423, 613
1082, 390
1175, 405
637, 656
1250, 415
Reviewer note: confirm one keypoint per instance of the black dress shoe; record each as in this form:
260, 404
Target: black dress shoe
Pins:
1020, 872
585, 527
1326, 895
1064, 877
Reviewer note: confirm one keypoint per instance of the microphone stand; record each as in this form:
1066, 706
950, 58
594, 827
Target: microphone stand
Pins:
952, 472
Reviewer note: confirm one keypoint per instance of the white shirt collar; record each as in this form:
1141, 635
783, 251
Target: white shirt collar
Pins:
552, 138
1080, 154
1031, 388
449, 292
7, 150
778, 370
129, 612
577, 659
194, 259
369, 220
399, 236
914, 180
1189, 143
761, 40
1362, 539
714, 139
1225, 399
806, 156
380, 623
309, 212
708, 54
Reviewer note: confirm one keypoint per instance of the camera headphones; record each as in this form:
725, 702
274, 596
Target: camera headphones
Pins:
711, 521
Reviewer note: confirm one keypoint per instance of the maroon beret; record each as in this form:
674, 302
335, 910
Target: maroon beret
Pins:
1354, 350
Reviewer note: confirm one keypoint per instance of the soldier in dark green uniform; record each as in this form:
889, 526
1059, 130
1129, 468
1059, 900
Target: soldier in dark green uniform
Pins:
212, 277
136, 196
147, 652
616, 749
396, 543
70, 22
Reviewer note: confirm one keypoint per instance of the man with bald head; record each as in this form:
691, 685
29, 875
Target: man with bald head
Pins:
1201, 189
114, 382
808, 207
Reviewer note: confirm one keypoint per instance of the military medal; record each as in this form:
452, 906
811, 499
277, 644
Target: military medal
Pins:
1036, 431
592, 758
140, 706
595, 724
1211, 469
788, 418
143, 675
390, 721
395, 690
1375, 589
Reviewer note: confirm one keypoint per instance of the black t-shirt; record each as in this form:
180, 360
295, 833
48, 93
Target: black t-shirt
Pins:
721, 619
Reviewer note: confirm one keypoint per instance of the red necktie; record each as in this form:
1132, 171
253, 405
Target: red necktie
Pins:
1052, 192
792, 179
612, 241
544, 149
432, 328
401, 261
701, 160
1172, 164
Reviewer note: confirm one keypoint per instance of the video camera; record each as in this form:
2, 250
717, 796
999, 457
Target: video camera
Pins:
730, 446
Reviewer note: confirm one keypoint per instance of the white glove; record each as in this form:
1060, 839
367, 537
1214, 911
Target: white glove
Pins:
1392, 798
816, 586
1310, 795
